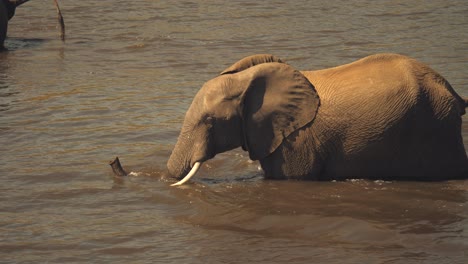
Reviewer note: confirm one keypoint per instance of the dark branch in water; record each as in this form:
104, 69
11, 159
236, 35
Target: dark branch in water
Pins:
117, 168
60, 20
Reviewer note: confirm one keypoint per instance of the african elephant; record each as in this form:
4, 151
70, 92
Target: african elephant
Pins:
7, 11
385, 116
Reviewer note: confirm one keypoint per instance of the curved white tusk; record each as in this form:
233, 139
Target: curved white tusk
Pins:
192, 172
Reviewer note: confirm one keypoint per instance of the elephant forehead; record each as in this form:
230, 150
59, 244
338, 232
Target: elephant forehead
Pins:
218, 90
221, 108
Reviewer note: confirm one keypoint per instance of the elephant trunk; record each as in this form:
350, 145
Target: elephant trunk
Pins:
183, 163
178, 164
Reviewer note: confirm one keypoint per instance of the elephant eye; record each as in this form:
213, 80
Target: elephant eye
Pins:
209, 120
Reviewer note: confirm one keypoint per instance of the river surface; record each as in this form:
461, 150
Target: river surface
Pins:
120, 85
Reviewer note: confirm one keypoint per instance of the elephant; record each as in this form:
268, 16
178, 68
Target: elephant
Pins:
383, 117
7, 11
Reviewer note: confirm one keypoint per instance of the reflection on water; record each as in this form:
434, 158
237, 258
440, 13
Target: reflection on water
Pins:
120, 85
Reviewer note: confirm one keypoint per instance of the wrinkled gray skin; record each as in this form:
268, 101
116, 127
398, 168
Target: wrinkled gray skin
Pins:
7, 11
385, 116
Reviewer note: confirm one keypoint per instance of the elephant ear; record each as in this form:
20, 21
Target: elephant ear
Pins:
250, 61
277, 101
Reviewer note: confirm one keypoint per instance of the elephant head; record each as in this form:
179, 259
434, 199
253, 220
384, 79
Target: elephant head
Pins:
254, 104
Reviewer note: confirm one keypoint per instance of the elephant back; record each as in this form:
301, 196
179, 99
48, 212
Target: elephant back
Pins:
250, 61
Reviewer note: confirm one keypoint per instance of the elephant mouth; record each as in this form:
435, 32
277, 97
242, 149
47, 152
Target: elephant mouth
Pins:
192, 167
191, 173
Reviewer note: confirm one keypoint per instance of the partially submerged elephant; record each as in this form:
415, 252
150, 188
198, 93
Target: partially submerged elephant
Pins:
7, 11
385, 116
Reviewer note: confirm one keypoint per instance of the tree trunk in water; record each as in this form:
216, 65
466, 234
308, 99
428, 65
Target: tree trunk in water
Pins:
117, 168
60, 20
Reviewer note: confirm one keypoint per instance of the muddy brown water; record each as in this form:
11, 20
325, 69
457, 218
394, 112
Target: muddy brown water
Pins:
120, 85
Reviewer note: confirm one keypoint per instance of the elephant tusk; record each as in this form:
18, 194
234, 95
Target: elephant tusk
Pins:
192, 172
